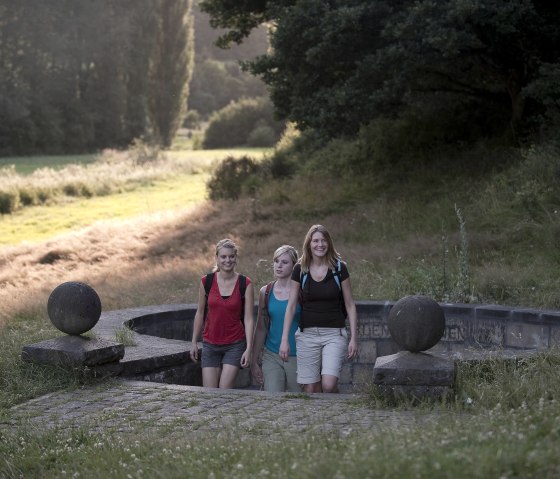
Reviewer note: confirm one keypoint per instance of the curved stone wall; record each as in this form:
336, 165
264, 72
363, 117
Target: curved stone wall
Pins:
162, 335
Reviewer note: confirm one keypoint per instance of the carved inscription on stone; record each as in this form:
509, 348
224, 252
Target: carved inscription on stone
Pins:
371, 328
455, 330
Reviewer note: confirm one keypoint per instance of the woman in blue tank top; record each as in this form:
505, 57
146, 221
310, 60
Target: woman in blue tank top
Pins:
275, 374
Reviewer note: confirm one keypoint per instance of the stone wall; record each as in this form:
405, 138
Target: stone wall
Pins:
469, 327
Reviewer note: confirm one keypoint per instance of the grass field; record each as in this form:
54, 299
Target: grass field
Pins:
109, 193
38, 223
25, 165
484, 240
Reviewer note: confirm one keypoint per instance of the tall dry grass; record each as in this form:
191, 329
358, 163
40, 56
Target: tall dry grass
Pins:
112, 172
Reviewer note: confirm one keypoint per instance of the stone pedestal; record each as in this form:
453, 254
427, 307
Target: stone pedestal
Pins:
414, 376
74, 351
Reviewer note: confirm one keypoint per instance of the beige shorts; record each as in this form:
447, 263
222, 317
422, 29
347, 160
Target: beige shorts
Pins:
320, 351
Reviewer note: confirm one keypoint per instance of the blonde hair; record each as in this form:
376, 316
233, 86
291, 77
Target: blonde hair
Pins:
332, 255
292, 252
224, 243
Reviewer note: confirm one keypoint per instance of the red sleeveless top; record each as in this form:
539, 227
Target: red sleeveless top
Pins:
223, 322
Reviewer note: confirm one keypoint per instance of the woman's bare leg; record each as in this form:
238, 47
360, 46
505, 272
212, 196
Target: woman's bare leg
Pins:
329, 383
227, 379
313, 387
211, 377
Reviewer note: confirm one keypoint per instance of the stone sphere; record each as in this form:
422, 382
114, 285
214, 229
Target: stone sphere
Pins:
74, 307
416, 323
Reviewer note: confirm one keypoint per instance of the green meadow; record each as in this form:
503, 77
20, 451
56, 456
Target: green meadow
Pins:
489, 239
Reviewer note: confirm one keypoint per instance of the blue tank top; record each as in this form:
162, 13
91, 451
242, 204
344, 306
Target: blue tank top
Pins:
276, 311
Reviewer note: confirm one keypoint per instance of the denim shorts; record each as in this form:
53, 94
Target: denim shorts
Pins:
214, 355
320, 351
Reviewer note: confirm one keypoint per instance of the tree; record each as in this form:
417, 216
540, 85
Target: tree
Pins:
337, 65
172, 69
77, 75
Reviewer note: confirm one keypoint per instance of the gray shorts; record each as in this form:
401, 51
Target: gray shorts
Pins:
320, 351
214, 355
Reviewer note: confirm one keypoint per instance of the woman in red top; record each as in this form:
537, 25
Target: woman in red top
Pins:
227, 334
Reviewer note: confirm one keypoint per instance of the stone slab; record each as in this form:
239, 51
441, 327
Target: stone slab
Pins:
414, 369
74, 351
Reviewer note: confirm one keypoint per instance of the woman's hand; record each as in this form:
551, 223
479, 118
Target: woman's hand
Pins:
352, 348
194, 352
257, 373
284, 351
246, 358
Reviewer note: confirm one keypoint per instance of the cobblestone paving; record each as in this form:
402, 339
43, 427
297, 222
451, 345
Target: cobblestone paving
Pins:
126, 406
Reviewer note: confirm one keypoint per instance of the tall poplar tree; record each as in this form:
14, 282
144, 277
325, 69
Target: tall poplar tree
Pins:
171, 69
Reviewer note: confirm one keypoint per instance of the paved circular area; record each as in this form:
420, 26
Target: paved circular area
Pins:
127, 405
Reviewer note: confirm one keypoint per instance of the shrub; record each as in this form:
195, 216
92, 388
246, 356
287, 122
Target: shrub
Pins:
28, 196
262, 136
281, 165
141, 152
9, 201
232, 178
192, 120
234, 124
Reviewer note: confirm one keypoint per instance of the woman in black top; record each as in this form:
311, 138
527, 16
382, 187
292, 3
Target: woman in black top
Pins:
326, 296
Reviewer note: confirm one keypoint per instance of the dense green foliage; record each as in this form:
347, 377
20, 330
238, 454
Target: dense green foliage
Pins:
217, 77
469, 69
215, 84
246, 122
80, 75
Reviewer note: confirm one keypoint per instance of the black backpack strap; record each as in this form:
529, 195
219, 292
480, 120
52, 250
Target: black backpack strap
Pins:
207, 287
302, 280
242, 288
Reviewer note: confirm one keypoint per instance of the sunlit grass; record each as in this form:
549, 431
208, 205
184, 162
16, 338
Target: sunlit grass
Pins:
219, 154
41, 222
25, 165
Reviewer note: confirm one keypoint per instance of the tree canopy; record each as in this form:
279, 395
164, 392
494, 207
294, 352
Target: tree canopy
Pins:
81, 75
472, 68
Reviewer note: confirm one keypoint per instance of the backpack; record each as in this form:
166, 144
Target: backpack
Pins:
242, 287
266, 317
337, 277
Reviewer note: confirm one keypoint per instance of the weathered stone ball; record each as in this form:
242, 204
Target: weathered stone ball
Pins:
74, 307
416, 323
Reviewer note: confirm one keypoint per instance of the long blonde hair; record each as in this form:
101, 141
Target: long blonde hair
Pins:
224, 243
306, 256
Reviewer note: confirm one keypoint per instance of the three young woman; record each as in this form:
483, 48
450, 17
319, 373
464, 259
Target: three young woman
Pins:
322, 281
276, 375
228, 325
